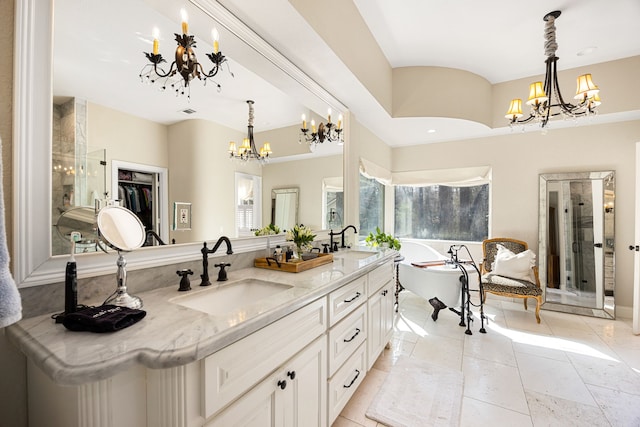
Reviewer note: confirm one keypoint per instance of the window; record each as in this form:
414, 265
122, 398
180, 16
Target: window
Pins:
248, 203
441, 212
371, 205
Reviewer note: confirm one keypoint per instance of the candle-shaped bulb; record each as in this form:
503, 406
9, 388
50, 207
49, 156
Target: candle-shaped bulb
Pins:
329, 115
339, 121
185, 21
156, 36
313, 126
216, 40
304, 121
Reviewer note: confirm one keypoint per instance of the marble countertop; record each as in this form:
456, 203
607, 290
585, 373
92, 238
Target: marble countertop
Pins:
171, 334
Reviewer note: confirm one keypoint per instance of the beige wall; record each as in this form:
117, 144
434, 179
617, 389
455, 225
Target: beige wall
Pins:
13, 387
6, 111
202, 174
126, 138
518, 158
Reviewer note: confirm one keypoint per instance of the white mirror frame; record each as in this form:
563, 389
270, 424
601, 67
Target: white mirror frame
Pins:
33, 264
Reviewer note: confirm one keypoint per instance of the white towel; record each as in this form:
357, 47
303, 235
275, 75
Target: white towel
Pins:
10, 302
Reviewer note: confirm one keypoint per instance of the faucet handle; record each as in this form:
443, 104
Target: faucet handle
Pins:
222, 274
185, 283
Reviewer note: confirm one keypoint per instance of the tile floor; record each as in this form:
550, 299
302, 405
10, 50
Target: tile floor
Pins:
569, 370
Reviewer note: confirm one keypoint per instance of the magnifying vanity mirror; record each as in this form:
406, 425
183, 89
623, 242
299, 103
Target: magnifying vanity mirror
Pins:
577, 242
123, 231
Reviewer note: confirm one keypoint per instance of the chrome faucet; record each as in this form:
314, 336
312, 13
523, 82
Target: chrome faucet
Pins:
334, 245
205, 258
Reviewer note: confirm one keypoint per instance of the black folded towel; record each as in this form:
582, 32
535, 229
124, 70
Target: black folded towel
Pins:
104, 318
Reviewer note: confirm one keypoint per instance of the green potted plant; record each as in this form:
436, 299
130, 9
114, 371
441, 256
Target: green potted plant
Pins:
382, 240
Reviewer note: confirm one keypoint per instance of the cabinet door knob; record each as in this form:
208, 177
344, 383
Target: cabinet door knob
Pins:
634, 248
282, 384
292, 374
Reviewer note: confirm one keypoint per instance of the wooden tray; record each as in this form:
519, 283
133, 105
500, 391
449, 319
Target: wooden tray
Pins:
294, 266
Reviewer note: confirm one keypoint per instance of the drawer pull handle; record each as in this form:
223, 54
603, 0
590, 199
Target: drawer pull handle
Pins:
292, 374
354, 298
353, 380
353, 337
282, 384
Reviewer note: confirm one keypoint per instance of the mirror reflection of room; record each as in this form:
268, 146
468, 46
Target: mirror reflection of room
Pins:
161, 131
579, 240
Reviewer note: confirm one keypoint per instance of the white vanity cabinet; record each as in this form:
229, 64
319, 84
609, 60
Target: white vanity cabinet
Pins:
294, 395
359, 312
298, 370
235, 369
380, 311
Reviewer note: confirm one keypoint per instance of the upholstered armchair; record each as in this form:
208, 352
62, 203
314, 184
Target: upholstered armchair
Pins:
510, 272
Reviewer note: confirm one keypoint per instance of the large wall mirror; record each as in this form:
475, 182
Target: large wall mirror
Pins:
94, 94
577, 242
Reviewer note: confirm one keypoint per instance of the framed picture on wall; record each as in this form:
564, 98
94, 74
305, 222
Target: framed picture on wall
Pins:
181, 216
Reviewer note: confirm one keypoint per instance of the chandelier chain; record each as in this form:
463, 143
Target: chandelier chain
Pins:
550, 44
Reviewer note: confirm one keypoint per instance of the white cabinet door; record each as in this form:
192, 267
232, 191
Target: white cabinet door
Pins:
387, 313
309, 386
294, 395
380, 307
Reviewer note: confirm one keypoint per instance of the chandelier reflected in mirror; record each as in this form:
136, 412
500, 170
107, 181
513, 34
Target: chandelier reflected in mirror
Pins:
185, 67
248, 151
545, 100
323, 132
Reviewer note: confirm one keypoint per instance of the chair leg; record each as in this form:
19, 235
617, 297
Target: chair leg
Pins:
538, 304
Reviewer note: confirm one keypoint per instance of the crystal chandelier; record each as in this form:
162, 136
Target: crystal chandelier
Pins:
546, 100
248, 150
322, 133
186, 67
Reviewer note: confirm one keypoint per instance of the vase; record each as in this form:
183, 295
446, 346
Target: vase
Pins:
299, 251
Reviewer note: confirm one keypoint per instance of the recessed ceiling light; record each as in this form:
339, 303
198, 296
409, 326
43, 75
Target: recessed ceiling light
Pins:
586, 51
431, 131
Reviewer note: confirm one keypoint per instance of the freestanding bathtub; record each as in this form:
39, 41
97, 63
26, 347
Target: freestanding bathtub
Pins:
441, 281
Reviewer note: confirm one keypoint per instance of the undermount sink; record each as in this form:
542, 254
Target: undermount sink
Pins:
230, 297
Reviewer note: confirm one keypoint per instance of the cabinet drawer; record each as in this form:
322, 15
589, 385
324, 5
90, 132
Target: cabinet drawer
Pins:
346, 337
344, 300
345, 382
379, 277
233, 370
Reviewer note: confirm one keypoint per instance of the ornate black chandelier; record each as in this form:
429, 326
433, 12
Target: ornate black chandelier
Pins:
248, 151
322, 133
546, 100
185, 67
